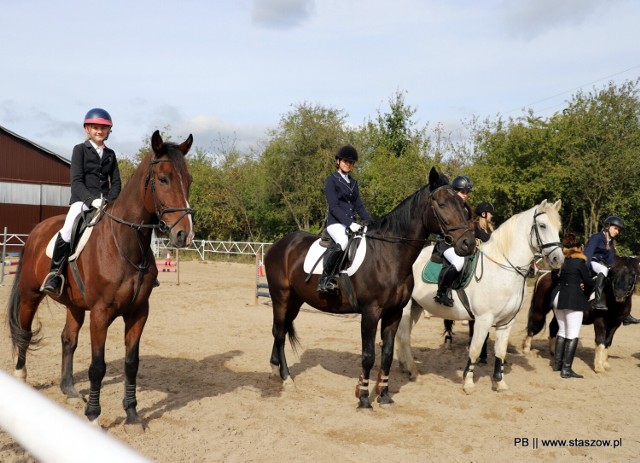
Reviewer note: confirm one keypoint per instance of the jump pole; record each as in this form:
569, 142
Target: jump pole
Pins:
53, 434
259, 285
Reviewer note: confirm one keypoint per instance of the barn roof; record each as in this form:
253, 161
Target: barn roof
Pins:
35, 145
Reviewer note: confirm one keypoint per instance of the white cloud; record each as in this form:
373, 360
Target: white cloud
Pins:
281, 14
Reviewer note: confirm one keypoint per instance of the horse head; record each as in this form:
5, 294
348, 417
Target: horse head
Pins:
623, 277
545, 233
169, 182
449, 212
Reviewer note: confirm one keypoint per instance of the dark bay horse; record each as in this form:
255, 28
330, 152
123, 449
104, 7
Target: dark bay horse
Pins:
117, 271
618, 291
382, 284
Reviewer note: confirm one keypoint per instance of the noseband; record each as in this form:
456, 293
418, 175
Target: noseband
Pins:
542, 246
442, 224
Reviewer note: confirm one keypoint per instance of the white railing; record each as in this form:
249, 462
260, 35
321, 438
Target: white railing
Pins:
205, 247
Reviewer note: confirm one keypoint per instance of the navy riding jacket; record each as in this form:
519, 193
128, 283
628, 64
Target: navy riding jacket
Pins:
91, 175
596, 249
343, 200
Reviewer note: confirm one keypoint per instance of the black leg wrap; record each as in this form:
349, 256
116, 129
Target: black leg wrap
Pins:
498, 370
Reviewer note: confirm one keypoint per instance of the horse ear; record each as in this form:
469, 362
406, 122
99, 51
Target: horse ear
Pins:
557, 205
434, 176
156, 141
185, 146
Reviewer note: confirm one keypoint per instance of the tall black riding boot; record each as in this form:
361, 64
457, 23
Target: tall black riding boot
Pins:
445, 280
567, 361
58, 267
598, 302
558, 354
328, 283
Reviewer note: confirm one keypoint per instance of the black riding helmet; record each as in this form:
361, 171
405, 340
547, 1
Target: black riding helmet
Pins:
484, 207
462, 183
614, 220
348, 153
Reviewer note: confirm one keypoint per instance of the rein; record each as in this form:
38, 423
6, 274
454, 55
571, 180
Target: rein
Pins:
441, 223
161, 226
523, 270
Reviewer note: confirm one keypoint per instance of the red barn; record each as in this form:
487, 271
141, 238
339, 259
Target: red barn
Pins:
34, 183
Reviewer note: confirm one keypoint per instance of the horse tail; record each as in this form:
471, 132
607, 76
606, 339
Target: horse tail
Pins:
293, 337
21, 339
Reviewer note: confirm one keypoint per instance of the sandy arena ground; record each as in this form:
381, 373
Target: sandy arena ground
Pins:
205, 392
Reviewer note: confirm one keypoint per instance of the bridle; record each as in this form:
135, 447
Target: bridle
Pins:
441, 222
161, 226
159, 208
540, 245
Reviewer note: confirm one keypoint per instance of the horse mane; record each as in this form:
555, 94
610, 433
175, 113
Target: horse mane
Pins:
502, 237
395, 222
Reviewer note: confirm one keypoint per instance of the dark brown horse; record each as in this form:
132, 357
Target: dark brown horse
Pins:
116, 271
618, 291
382, 285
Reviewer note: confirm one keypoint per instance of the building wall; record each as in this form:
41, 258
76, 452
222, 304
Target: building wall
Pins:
34, 183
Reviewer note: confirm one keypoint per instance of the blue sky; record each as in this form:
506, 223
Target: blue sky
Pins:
227, 71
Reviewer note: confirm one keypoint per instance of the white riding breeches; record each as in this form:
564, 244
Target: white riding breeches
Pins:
454, 259
569, 321
337, 231
597, 267
74, 211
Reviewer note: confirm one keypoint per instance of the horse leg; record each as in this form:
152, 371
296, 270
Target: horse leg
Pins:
284, 313
500, 347
133, 325
410, 316
69, 339
388, 328
553, 332
481, 329
99, 325
607, 344
483, 353
368, 328
448, 332
22, 313
599, 326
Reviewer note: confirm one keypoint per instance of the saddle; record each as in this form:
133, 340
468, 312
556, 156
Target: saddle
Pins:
82, 227
432, 269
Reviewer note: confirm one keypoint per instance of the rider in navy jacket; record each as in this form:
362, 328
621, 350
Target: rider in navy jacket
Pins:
343, 201
94, 177
600, 253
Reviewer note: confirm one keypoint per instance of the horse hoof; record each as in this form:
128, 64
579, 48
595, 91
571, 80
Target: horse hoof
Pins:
469, 389
288, 383
20, 374
95, 422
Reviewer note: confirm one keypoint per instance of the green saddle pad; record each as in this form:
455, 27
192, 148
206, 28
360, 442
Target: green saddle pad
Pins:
431, 271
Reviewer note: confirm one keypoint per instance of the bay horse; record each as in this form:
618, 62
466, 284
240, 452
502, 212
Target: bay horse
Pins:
496, 290
618, 290
115, 276
382, 285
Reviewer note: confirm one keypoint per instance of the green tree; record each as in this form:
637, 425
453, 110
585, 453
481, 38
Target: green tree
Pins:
297, 159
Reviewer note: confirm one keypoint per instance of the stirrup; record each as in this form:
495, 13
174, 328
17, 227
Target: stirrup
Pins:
328, 286
46, 280
443, 299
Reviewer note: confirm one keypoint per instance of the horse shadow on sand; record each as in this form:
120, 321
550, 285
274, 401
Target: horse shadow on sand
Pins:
182, 380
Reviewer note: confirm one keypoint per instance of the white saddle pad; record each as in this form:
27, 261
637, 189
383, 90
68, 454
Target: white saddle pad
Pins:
315, 251
81, 243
